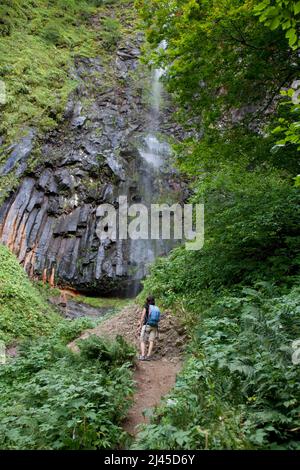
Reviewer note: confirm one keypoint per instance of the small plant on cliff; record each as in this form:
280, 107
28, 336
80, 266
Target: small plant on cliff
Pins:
111, 33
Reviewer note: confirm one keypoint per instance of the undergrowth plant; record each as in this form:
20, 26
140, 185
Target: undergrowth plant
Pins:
24, 312
53, 398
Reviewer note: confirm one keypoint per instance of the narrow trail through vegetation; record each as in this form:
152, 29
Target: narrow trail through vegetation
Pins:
154, 379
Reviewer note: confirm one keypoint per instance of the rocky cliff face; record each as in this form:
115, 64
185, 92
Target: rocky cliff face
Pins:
50, 221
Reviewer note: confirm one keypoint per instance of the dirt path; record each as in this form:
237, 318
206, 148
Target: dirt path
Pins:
153, 381
155, 378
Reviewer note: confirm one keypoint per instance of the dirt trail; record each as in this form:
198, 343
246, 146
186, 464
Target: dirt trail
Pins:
155, 378
153, 381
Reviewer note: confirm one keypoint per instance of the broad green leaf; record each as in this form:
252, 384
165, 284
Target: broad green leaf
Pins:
291, 36
297, 8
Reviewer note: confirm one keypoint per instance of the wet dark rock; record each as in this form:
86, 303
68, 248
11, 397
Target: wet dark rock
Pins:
64, 180
237, 114
116, 165
69, 109
76, 310
19, 153
73, 309
53, 207
20, 171
86, 66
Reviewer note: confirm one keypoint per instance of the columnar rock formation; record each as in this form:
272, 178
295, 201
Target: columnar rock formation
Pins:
50, 221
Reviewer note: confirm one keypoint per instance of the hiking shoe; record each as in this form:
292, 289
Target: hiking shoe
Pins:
148, 358
142, 358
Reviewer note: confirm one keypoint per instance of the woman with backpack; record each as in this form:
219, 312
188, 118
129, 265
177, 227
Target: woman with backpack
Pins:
148, 327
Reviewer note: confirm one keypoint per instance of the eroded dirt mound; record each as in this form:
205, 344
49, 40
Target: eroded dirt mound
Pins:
171, 334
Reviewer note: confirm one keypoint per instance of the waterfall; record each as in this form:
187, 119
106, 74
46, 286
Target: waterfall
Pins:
154, 152
157, 90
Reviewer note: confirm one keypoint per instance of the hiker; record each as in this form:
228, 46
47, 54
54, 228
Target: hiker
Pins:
148, 327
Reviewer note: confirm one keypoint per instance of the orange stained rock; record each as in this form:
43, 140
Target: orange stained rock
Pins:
51, 280
44, 277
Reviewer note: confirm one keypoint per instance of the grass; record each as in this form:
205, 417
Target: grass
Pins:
24, 312
102, 302
37, 49
52, 398
38, 43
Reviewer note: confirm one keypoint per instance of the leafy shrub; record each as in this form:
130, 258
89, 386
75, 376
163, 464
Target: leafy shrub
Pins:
52, 398
104, 350
68, 330
251, 234
23, 311
239, 295
111, 33
52, 34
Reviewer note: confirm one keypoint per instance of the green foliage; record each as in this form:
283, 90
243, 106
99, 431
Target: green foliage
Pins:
105, 350
36, 89
284, 14
238, 296
52, 398
36, 51
288, 127
52, 34
23, 310
239, 387
251, 233
38, 43
227, 90
239, 64
110, 33
68, 331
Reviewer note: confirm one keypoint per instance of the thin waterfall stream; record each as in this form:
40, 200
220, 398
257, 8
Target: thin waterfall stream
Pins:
154, 170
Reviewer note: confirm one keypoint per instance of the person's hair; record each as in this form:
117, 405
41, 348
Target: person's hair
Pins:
150, 300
